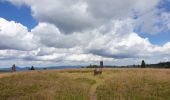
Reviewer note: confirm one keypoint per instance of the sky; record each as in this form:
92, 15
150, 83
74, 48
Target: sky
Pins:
83, 32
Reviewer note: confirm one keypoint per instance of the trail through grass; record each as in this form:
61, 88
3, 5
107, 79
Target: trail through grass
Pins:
93, 90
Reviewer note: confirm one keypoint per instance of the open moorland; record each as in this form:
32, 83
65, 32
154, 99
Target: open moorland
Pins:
81, 84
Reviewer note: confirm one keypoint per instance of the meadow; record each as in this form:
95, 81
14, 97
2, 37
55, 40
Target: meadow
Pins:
81, 84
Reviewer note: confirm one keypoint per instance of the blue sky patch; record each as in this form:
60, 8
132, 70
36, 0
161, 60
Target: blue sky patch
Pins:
18, 14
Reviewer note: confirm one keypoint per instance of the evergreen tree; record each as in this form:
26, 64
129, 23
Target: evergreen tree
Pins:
143, 64
32, 68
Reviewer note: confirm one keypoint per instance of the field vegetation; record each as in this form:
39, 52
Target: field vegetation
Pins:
81, 84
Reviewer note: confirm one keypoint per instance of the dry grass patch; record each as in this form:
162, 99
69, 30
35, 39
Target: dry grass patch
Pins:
44, 86
81, 84
136, 84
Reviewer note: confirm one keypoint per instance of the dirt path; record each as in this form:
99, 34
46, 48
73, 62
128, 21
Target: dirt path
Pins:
93, 94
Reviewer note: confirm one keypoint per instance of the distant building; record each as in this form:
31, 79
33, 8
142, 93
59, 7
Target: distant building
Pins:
13, 69
101, 64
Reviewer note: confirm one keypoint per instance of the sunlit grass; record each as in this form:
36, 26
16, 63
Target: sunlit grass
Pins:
136, 84
45, 86
80, 84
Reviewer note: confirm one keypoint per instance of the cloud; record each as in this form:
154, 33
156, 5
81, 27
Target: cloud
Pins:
85, 31
50, 35
119, 9
70, 18
78, 15
108, 41
15, 36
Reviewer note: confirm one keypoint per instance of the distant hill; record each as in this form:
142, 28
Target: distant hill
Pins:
160, 65
38, 68
4, 69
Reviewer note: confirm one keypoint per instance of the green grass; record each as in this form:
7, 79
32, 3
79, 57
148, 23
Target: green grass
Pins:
80, 84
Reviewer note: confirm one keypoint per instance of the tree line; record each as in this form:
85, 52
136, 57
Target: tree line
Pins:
142, 65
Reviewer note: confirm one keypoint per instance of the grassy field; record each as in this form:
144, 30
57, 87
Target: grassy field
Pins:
80, 84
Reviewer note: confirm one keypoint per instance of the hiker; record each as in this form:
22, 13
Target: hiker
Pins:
97, 71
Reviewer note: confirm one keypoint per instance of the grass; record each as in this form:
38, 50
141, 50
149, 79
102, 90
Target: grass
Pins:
80, 84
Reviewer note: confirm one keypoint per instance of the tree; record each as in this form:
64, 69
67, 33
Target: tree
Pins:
143, 64
32, 68
13, 68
